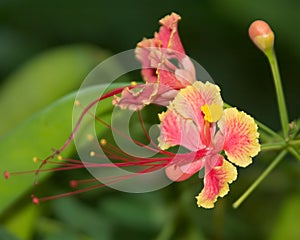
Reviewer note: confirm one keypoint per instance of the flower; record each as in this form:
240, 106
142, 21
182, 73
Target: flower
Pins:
195, 119
165, 68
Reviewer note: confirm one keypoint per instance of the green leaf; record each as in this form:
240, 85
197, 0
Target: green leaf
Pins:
46, 129
81, 218
287, 225
44, 79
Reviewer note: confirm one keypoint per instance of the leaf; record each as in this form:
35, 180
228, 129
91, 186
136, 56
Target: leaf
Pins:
35, 137
82, 219
287, 225
47, 129
44, 79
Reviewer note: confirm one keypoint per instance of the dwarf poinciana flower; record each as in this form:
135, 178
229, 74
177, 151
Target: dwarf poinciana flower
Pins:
165, 68
196, 121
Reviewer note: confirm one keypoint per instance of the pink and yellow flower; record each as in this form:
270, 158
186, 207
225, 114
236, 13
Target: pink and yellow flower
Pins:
165, 68
195, 119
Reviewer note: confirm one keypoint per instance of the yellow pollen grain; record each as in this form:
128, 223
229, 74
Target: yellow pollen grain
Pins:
92, 153
103, 142
59, 157
35, 159
133, 83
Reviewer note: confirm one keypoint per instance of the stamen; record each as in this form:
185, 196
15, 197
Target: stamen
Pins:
73, 184
35, 200
103, 142
133, 84
84, 112
92, 154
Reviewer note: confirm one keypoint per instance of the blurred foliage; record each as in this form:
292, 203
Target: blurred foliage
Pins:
46, 50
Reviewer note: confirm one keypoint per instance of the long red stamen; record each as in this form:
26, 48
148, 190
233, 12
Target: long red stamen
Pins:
84, 112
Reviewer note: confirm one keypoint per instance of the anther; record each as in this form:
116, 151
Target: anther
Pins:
35, 200
6, 174
73, 184
35, 159
92, 153
133, 84
103, 141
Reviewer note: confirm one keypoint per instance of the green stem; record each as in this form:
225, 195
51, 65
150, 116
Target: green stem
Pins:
272, 146
254, 185
267, 129
279, 92
294, 152
294, 142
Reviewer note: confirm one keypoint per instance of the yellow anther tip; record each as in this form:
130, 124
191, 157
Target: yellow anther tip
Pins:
35, 159
133, 84
92, 153
103, 142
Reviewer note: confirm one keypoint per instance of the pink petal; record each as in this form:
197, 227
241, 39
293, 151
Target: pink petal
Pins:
156, 56
168, 33
216, 183
190, 100
142, 95
240, 136
175, 130
185, 165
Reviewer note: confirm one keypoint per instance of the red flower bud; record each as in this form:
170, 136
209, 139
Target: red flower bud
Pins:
262, 35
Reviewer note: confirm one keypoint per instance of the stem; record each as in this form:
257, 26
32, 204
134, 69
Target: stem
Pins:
294, 152
279, 92
254, 185
294, 142
272, 146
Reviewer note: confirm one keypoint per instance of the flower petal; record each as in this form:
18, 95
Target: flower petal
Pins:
175, 130
163, 57
216, 183
185, 165
240, 136
144, 94
183, 122
190, 100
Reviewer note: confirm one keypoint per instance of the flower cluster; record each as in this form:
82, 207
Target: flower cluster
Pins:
195, 119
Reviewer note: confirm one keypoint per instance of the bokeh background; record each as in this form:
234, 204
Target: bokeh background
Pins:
46, 50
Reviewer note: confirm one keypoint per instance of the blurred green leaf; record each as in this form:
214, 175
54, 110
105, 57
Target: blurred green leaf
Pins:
82, 219
35, 137
135, 211
5, 235
44, 79
287, 225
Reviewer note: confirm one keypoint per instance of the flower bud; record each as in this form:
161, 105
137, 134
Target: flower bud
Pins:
262, 35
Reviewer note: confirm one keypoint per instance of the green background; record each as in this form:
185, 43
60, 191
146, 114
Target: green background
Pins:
46, 50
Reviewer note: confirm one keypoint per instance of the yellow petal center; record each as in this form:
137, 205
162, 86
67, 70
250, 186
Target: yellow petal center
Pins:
212, 113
